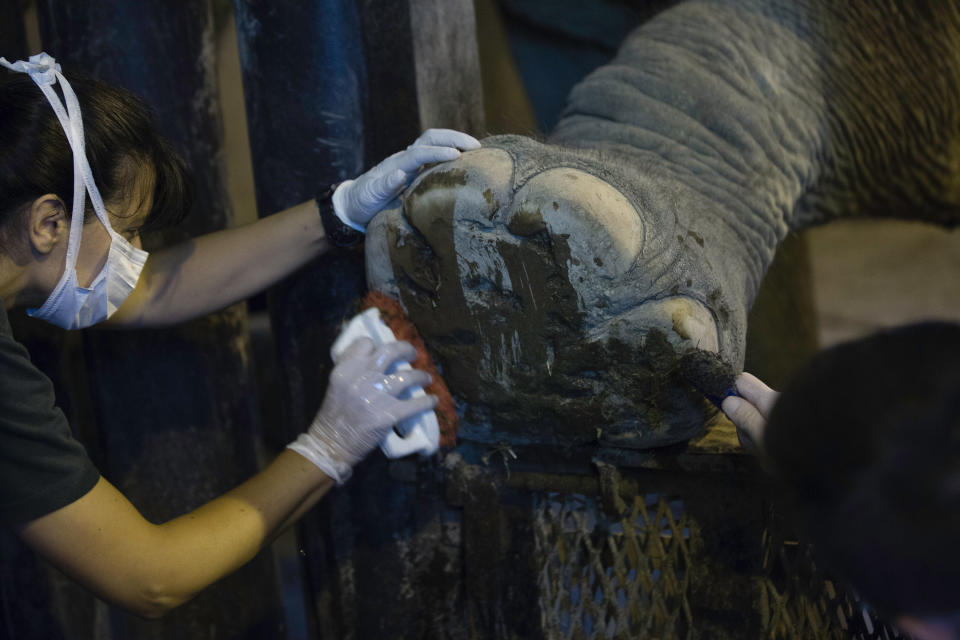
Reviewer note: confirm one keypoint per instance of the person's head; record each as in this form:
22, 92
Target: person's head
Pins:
866, 438
144, 184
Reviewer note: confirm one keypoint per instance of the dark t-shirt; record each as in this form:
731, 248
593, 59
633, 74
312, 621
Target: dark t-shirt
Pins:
42, 467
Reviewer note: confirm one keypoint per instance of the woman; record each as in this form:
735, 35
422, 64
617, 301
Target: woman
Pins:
76, 265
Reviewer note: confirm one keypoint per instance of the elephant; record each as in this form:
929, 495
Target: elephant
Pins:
560, 282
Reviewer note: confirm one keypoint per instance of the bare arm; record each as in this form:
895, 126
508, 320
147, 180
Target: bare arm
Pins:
216, 270
103, 542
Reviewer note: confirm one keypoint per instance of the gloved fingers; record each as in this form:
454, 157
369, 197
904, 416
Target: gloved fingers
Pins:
745, 416
757, 393
386, 187
414, 406
413, 158
386, 355
397, 383
447, 138
362, 346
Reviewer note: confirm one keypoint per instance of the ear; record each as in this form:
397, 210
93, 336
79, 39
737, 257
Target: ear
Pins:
48, 223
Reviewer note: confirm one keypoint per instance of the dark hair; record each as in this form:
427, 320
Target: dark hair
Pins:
120, 135
866, 438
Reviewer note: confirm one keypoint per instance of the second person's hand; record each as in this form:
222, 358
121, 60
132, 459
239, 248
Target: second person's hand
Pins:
750, 409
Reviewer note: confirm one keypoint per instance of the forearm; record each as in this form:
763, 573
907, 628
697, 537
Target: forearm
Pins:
213, 271
105, 544
201, 547
216, 270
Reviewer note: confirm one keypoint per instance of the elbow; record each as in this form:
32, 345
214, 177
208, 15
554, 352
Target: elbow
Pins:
154, 602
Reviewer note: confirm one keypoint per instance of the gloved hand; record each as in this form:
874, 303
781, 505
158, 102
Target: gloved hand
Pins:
750, 410
355, 202
361, 406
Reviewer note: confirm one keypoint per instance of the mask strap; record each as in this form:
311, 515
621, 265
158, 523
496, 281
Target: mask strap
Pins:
80, 154
45, 72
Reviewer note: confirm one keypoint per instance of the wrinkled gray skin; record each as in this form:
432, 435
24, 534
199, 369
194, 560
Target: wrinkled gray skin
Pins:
537, 271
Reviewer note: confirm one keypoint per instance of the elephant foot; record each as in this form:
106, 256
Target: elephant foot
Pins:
533, 296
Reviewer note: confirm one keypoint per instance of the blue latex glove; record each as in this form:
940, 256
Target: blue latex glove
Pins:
355, 202
361, 406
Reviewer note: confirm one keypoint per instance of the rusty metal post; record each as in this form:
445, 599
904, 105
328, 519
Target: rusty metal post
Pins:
331, 88
175, 410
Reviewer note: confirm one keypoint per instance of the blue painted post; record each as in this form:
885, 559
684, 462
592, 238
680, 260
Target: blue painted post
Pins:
331, 88
306, 91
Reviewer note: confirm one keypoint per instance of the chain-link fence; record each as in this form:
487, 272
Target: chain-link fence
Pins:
646, 574
651, 545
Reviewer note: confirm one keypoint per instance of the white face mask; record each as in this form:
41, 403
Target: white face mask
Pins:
69, 305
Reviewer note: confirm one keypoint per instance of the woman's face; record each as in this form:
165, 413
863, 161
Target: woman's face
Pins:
127, 215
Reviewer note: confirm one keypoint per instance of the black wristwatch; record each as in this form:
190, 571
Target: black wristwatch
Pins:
338, 233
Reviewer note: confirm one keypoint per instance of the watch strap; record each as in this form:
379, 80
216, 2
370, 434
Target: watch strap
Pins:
338, 233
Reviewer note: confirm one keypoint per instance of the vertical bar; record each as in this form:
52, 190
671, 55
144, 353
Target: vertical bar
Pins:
394, 119
305, 89
331, 88
175, 409
305, 92
447, 63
